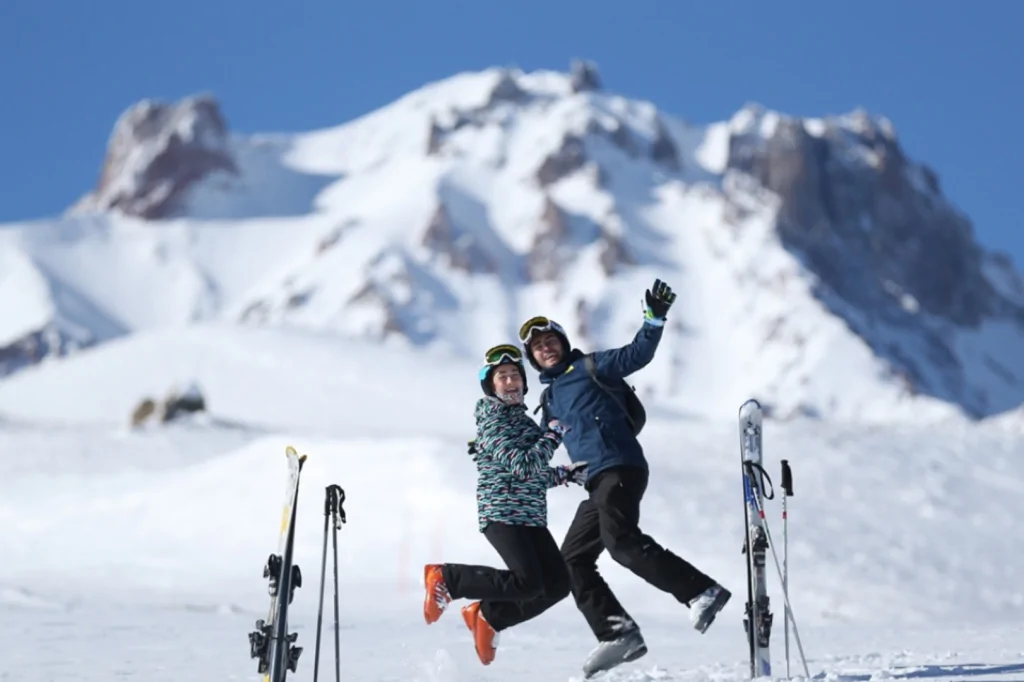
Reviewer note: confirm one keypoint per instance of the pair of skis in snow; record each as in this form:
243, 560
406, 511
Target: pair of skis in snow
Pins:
270, 642
758, 617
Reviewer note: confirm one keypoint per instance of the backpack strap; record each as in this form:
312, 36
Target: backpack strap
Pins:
588, 361
542, 407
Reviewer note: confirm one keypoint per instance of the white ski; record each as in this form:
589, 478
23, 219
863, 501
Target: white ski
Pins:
270, 642
758, 620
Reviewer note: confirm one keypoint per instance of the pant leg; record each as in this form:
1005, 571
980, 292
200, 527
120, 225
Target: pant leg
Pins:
617, 494
522, 580
594, 598
554, 578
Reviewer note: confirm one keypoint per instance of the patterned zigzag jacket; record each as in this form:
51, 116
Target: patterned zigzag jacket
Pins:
512, 455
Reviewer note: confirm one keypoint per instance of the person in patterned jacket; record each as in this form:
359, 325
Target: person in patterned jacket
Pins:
512, 453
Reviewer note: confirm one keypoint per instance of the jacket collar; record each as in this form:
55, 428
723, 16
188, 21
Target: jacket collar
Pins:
550, 374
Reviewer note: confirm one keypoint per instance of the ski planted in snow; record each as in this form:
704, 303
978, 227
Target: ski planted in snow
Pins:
270, 643
758, 618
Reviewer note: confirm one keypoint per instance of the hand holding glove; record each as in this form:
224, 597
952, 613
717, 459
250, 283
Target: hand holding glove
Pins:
557, 427
659, 298
571, 473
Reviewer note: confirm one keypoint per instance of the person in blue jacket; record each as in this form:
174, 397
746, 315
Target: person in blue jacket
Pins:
600, 433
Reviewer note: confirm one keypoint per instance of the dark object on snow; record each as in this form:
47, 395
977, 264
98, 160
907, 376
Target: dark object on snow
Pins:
174, 406
189, 402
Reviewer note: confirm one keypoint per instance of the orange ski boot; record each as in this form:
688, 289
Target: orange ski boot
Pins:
485, 639
436, 599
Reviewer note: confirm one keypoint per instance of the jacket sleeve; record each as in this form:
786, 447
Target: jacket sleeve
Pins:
494, 438
634, 356
550, 478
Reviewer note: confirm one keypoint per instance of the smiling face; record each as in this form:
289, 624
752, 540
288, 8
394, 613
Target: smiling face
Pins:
508, 383
546, 349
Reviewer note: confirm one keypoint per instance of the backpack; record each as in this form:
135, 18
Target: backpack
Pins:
634, 409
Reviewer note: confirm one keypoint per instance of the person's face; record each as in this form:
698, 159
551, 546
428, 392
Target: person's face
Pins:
546, 349
508, 382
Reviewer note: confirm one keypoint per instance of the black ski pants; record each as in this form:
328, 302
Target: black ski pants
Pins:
609, 519
536, 579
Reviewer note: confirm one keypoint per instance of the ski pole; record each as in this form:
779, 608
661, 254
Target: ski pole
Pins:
785, 594
339, 511
787, 491
333, 511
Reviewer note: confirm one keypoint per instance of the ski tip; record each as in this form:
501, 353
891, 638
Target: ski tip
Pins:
750, 408
292, 452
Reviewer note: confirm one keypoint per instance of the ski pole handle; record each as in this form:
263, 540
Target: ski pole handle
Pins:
334, 503
787, 478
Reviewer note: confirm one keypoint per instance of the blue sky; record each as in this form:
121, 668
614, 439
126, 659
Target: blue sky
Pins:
947, 73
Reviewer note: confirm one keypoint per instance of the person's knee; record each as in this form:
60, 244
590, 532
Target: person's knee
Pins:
625, 548
531, 584
557, 584
578, 564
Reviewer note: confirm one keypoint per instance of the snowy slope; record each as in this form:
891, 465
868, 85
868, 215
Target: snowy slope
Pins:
394, 423
449, 216
163, 531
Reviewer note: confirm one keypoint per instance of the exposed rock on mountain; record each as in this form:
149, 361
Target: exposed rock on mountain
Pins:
584, 76
888, 249
456, 247
156, 153
564, 161
33, 347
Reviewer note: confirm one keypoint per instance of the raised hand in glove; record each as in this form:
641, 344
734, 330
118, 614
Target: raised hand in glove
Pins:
571, 473
660, 298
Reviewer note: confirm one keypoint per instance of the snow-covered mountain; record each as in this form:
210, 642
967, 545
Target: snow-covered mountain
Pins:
818, 267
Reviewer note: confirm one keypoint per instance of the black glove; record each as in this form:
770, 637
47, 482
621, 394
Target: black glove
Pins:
660, 298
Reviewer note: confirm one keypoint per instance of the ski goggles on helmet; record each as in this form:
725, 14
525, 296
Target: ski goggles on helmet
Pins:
538, 325
499, 355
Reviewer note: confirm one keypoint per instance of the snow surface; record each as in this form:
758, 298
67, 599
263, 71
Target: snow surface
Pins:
126, 548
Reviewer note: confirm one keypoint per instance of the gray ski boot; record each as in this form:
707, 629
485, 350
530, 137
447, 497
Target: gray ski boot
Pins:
628, 646
705, 606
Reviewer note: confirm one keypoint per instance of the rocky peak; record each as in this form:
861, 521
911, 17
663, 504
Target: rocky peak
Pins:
507, 89
583, 76
869, 221
156, 152
891, 255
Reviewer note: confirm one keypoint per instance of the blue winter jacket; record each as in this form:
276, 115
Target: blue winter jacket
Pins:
599, 433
